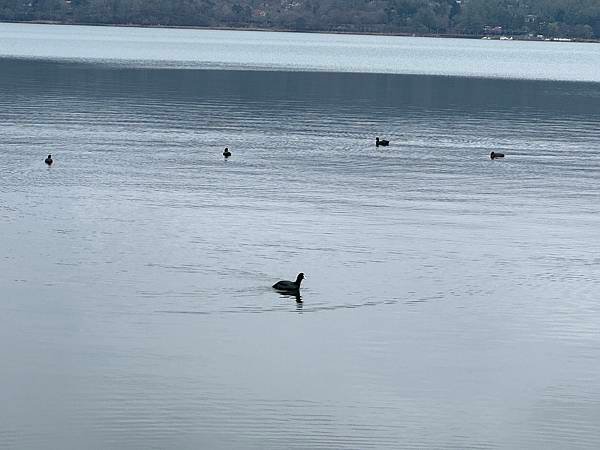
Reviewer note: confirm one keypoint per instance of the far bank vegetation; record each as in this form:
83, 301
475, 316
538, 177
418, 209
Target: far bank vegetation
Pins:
529, 18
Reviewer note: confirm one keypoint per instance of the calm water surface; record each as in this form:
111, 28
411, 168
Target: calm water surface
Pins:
217, 49
451, 301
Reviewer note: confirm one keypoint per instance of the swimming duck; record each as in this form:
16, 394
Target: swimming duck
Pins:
226, 153
382, 142
495, 155
289, 286
48, 160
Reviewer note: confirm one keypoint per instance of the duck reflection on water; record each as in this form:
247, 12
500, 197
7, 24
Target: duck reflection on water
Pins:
295, 295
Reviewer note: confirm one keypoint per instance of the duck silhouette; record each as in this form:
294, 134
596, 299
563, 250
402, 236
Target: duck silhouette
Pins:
382, 142
289, 286
495, 155
49, 160
226, 153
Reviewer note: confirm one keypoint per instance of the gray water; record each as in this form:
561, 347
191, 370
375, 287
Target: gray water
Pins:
451, 301
251, 50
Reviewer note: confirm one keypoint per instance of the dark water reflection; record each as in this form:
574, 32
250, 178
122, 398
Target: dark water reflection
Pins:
297, 297
452, 300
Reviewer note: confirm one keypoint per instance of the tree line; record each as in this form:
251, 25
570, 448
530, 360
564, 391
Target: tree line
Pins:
550, 18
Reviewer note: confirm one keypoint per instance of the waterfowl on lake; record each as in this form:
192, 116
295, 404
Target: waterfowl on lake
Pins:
226, 153
495, 155
49, 160
382, 142
289, 286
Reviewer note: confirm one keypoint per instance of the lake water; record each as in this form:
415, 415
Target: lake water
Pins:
451, 301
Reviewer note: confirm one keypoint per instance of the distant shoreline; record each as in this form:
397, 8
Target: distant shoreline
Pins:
285, 30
